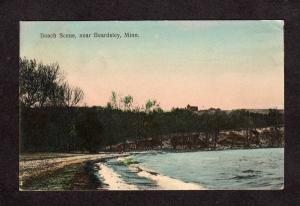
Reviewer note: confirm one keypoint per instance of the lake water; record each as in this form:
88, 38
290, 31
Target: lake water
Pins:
223, 170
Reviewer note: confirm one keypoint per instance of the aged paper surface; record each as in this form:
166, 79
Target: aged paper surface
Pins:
151, 105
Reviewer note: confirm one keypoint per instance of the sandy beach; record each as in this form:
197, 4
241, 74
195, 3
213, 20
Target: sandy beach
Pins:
36, 165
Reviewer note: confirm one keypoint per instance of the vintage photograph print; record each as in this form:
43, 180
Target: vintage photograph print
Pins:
151, 105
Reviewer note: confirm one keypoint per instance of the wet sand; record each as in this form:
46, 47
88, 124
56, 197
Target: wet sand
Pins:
33, 169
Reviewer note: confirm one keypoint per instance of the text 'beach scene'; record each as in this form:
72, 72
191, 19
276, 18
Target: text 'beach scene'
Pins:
151, 105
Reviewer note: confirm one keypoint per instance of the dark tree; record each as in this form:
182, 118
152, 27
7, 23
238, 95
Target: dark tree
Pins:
44, 85
89, 129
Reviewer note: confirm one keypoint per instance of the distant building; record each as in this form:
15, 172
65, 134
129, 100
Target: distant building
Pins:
192, 108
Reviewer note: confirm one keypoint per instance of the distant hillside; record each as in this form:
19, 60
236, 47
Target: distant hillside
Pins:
261, 111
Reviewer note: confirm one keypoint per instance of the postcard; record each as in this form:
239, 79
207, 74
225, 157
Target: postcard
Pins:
151, 105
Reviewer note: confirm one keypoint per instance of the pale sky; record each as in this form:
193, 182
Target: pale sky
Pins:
224, 64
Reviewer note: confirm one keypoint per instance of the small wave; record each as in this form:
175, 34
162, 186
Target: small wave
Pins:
127, 161
251, 171
113, 180
164, 182
239, 177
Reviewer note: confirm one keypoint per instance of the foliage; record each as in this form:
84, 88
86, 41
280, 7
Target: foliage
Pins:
89, 129
50, 123
127, 101
152, 105
84, 128
44, 85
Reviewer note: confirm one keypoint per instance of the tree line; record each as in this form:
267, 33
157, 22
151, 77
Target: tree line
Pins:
51, 121
93, 128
